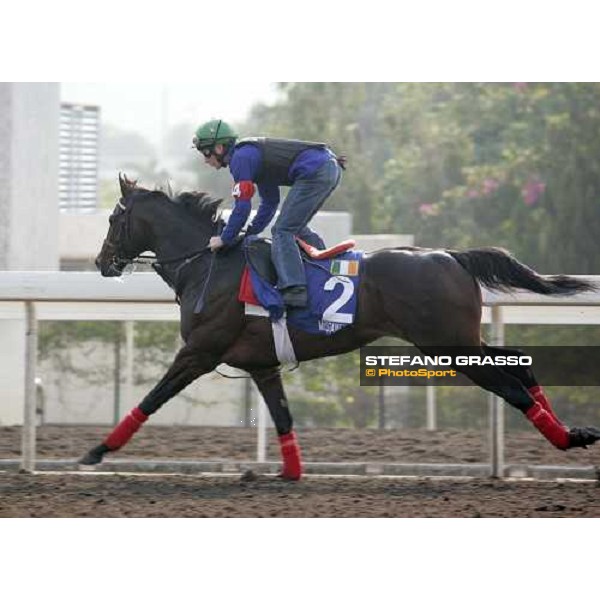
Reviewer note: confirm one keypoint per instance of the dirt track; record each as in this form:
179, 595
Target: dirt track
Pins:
318, 445
192, 496
99, 495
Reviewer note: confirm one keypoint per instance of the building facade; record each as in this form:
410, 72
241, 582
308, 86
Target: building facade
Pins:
79, 151
29, 158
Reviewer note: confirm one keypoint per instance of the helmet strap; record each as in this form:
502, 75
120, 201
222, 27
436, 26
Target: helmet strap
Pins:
221, 157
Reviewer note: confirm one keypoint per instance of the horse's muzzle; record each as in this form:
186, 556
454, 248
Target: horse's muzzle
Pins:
109, 269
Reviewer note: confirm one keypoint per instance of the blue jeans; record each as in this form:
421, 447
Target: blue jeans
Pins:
304, 199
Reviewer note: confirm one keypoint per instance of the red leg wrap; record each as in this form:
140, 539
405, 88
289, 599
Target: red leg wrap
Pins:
549, 426
292, 459
124, 431
537, 393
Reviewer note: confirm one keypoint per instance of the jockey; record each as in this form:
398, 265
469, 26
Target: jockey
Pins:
310, 169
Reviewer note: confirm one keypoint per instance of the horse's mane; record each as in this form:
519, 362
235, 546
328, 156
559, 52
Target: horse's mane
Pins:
199, 204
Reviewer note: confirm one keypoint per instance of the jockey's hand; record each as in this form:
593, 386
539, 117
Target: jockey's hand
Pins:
215, 243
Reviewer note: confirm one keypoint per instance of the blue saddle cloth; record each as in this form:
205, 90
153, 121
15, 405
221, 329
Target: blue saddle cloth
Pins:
332, 294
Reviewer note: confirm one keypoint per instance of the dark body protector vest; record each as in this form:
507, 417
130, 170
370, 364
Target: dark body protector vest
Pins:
278, 156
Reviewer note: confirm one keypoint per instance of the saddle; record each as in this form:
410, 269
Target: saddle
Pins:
332, 279
258, 256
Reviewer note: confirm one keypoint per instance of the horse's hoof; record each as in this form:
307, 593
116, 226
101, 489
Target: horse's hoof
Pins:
248, 475
289, 476
94, 456
582, 437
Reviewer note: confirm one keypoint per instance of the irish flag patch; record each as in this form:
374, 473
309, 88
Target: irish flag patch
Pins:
344, 267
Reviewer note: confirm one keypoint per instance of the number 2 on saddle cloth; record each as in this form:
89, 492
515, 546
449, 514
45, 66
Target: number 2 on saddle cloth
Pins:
332, 277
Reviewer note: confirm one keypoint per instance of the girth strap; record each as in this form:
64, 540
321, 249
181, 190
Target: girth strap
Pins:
283, 344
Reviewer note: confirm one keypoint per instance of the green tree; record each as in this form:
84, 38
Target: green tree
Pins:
504, 164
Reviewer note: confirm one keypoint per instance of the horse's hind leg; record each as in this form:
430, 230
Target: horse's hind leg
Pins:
270, 385
513, 389
505, 385
524, 374
542, 412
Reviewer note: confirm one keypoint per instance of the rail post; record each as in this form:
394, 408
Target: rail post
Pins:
129, 350
261, 424
28, 434
496, 403
431, 408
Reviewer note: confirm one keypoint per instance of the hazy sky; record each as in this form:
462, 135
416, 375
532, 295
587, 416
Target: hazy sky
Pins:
149, 107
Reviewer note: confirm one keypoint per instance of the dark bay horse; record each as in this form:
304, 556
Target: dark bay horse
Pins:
431, 298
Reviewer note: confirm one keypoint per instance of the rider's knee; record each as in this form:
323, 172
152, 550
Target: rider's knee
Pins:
282, 230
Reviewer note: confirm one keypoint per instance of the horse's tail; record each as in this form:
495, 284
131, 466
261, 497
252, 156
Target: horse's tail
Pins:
497, 269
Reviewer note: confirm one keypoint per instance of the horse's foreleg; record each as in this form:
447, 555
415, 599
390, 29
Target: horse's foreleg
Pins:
187, 366
270, 385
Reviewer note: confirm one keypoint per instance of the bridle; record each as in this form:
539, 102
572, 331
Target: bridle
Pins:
121, 217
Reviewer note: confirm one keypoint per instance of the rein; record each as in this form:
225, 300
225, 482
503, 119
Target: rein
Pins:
186, 258
158, 266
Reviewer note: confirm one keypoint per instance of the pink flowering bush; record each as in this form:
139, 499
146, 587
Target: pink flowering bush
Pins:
532, 190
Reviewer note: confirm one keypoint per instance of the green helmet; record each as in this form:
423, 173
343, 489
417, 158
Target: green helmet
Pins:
213, 132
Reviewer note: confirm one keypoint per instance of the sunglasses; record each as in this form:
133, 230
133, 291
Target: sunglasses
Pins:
206, 151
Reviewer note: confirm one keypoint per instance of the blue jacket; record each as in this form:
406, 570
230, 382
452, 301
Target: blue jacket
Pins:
245, 164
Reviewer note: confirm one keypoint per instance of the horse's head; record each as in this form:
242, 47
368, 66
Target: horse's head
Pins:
150, 220
119, 247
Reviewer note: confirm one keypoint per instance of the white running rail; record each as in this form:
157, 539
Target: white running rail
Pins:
143, 296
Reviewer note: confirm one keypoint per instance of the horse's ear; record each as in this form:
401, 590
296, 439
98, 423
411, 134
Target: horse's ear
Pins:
122, 185
126, 185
